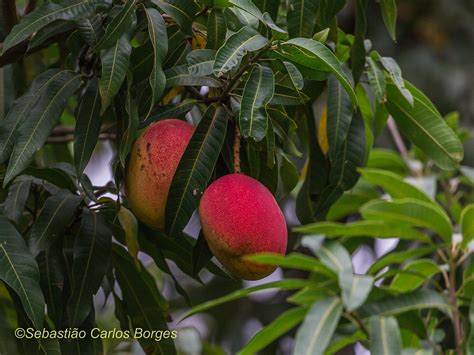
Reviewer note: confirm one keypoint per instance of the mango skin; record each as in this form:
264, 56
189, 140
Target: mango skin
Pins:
239, 216
153, 160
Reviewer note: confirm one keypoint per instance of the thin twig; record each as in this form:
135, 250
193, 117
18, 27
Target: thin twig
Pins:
456, 320
237, 149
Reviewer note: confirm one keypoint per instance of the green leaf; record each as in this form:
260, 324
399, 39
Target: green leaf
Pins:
44, 15
88, 123
385, 159
129, 224
130, 127
236, 47
376, 229
470, 339
335, 256
425, 127
216, 29
400, 257
91, 254
376, 79
281, 325
19, 270
410, 212
180, 76
394, 185
287, 284
121, 23
91, 29
201, 61
258, 92
385, 338
301, 18
319, 325
16, 199
389, 15
317, 56
268, 6
54, 28
467, 225
355, 289
201, 254
249, 7
144, 302
115, 61
395, 74
195, 169
293, 261
41, 120
414, 274
21, 109
159, 40
53, 220
339, 116
358, 52
287, 96
177, 110
182, 11
420, 299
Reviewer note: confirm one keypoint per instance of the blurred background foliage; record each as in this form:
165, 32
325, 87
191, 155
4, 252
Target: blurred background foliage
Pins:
434, 48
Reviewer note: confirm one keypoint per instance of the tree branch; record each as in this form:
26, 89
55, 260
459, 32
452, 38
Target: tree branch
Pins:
10, 16
30, 6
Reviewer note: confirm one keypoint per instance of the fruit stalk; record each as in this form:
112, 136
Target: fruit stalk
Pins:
237, 149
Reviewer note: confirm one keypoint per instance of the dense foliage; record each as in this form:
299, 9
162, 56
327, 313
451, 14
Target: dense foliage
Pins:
274, 88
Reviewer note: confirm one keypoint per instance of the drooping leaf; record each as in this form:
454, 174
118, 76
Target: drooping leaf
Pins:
195, 169
319, 325
339, 116
47, 13
201, 61
182, 11
16, 199
315, 55
301, 18
19, 270
258, 92
467, 225
395, 74
216, 29
282, 324
385, 338
389, 15
376, 79
143, 300
41, 120
177, 110
54, 28
376, 229
159, 40
130, 127
414, 274
399, 257
268, 6
53, 220
91, 254
115, 61
88, 123
420, 299
287, 284
236, 47
249, 7
121, 23
129, 224
201, 254
91, 29
358, 52
425, 127
410, 212
355, 289
180, 75
394, 185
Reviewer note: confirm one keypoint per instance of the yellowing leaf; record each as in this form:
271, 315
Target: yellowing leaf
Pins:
322, 132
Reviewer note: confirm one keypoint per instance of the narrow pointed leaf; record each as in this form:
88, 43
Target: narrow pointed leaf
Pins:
249, 7
53, 220
389, 15
281, 325
88, 123
317, 329
414, 274
395, 74
258, 91
159, 40
399, 257
425, 127
182, 11
47, 13
355, 290
201, 61
91, 255
41, 120
410, 212
268, 6
376, 79
16, 199
115, 61
339, 116
301, 18
467, 226
180, 76
236, 47
19, 270
91, 29
385, 338
216, 29
121, 23
195, 169
315, 55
